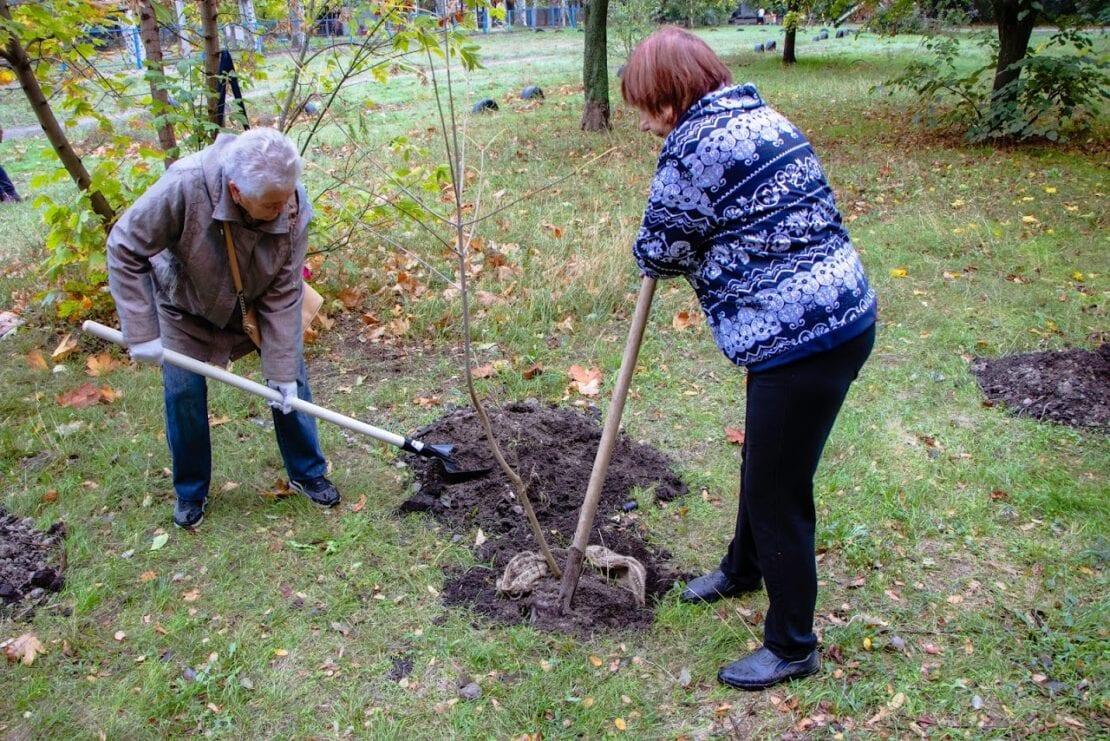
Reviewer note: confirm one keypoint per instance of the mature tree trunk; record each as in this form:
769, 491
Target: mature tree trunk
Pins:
211, 35
788, 55
155, 75
1015, 26
790, 26
298, 32
182, 27
595, 69
15, 55
249, 20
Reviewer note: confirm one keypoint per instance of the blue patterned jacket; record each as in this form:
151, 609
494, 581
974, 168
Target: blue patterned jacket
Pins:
741, 208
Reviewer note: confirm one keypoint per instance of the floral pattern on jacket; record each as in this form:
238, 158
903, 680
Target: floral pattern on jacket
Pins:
741, 208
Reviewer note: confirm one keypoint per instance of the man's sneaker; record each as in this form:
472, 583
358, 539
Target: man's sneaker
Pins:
188, 515
320, 490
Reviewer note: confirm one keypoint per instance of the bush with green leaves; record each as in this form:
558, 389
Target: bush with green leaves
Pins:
1063, 84
633, 20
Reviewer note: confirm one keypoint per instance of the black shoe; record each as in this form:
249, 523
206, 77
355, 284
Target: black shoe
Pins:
761, 669
189, 515
714, 586
320, 490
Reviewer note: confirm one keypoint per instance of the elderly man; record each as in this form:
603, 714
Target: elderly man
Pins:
175, 287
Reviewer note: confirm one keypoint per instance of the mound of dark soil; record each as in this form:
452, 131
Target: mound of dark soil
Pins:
25, 571
553, 449
1070, 387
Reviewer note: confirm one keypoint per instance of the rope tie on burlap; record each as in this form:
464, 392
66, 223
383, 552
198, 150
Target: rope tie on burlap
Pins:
526, 569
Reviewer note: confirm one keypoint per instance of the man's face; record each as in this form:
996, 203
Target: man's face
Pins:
266, 207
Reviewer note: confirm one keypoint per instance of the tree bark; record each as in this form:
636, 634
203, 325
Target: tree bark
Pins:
17, 57
249, 21
155, 75
595, 69
211, 33
298, 33
788, 55
1014, 32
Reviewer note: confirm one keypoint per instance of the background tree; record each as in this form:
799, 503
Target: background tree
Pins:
155, 76
595, 68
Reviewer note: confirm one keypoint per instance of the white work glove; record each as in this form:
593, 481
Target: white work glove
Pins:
288, 391
147, 352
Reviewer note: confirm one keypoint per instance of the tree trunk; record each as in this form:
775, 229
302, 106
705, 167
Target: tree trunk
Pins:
211, 35
17, 57
595, 69
298, 34
249, 19
788, 55
1015, 26
182, 27
155, 75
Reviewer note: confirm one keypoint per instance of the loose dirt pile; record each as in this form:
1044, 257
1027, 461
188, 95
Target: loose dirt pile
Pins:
1071, 387
25, 571
553, 449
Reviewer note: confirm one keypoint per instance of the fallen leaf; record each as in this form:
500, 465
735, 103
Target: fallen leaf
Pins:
119, 635
280, 652
191, 596
897, 701
159, 541
685, 320
359, 505
483, 371
85, 395
620, 724
596, 660
67, 346
341, 628
24, 649
35, 360
109, 394
480, 538
899, 273
556, 232
217, 421
51, 495
98, 365
532, 371
148, 576
734, 436
585, 381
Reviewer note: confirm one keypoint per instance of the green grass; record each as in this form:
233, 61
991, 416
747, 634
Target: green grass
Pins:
962, 551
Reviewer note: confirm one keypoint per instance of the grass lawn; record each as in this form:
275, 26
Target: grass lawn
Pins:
962, 551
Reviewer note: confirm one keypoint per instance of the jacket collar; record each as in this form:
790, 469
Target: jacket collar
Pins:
744, 97
223, 208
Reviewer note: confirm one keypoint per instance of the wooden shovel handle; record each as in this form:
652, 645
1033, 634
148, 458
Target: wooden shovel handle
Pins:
573, 570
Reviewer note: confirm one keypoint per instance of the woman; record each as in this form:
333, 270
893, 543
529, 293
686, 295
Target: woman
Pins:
740, 207
170, 273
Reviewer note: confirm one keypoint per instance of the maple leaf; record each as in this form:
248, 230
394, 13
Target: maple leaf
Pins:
734, 436
85, 395
585, 381
109, 394
351, 298
24, 649
98, 365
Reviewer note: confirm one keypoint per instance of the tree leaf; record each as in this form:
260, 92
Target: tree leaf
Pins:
734, 436
64, 348
159, 541
98, 365
24, 649
85, 395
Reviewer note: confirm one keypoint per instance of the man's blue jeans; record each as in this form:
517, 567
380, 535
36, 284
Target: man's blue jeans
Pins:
186, 396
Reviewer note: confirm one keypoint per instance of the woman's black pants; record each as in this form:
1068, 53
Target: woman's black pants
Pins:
790, 412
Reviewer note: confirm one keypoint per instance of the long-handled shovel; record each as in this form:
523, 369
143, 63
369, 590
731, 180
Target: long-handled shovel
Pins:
442, 453
573, 569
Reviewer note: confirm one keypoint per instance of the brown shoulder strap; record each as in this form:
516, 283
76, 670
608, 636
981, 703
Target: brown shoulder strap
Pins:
232, 260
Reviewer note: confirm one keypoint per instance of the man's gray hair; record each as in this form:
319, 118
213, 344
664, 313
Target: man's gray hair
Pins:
261, 161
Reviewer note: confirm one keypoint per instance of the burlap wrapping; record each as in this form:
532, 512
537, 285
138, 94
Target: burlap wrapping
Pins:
526, 569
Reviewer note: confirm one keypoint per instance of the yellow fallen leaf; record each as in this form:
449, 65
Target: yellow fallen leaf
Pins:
98, 365
899, 273
148, 576
596, 660
1028, 219
620, 724
64, 348
1049, 189
280, 652
35, 360
24, 649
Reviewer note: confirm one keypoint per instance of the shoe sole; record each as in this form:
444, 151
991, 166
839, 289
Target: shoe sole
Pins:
766, 685
194, 526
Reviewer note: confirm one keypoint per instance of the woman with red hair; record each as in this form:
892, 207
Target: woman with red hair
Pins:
740, 207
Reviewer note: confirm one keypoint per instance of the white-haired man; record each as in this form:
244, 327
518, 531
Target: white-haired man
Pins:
171, 277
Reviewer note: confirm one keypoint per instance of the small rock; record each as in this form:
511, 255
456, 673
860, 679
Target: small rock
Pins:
471, 691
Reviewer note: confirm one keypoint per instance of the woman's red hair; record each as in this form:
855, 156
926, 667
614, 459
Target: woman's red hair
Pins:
671, 69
